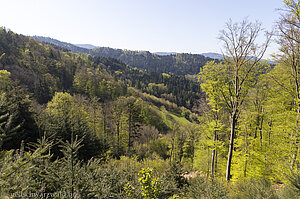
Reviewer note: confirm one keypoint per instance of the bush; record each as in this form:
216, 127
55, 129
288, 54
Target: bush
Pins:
173, 182
202, 188
260, 188
289, 192
161, 147
150, 186
292, 190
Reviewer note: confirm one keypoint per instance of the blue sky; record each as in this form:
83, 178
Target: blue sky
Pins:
190, 26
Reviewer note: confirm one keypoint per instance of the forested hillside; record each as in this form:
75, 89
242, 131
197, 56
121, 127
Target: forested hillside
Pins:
80, 125
60, 101
178, 64
44, 70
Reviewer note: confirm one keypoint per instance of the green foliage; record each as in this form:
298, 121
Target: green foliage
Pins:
4, 79
288, 192
200, 187
7, 131
177, 89
292, 190
255, 188
294, 6
130, 190
64, 119
175, 196
173, 181
161, 147
45, 70
150, 187
28, 171
16, 117
97, 83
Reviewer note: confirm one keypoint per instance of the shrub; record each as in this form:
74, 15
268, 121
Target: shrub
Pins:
260, 188
173, 182
292, 190
150, 186
202, 188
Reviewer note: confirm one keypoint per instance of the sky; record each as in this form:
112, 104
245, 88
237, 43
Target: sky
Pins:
183, 26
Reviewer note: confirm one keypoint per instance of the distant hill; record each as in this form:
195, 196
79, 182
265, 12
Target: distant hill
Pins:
179, 63
64, 45
87, 46
220, 56
213, 55
164, 53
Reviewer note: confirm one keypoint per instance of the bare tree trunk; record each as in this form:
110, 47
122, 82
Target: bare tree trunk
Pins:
296, 146
232, 134
246, 151
193, 149
129, 130
181, 144
213, 156
94, 121
208, 162
216, 162
270, 127
260, 131
118, 136
173, 139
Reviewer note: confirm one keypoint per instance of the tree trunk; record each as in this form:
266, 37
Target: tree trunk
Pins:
118, 136
129, 131
193, 151
269, 133
260, 132
208, 162
173, 152
232, 134
246, 151
216, 162
213, 156
296, 140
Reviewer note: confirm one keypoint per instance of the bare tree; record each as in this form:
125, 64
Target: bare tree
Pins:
242, 59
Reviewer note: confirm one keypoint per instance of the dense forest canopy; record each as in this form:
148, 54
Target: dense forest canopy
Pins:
109, 123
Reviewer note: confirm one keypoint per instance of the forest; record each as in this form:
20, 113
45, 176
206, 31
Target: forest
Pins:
109, 123
178, 64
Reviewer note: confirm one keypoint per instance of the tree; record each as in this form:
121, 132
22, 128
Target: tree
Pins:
243, 61
133, 109
237, 73
211, 85
4, 79
8, 130
16, 118
71, 164
289, 41
65, 119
